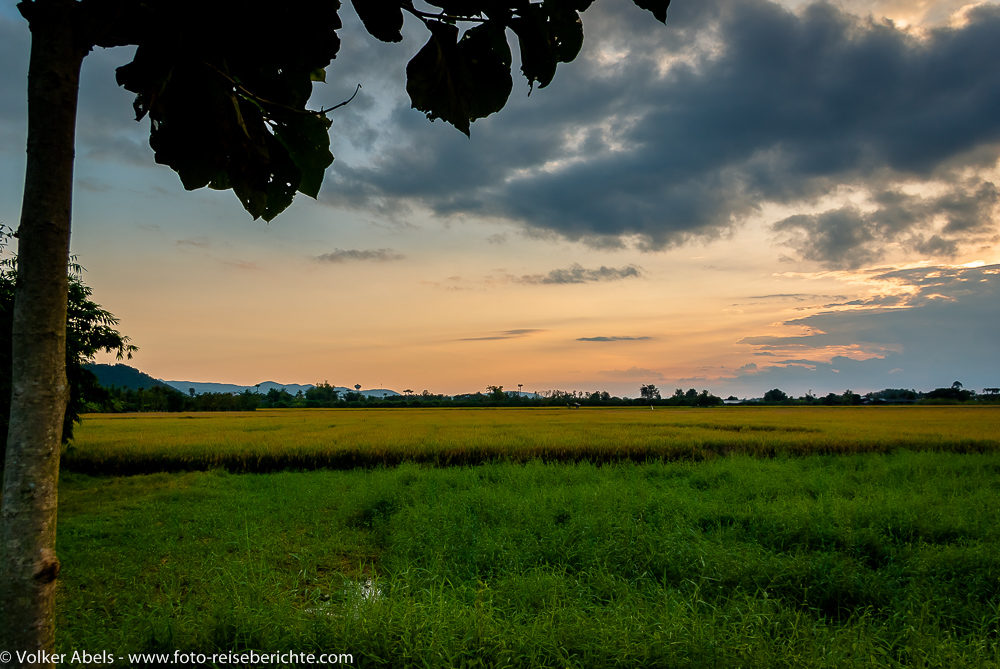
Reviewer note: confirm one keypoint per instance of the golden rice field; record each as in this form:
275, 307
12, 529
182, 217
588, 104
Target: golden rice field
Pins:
278, 439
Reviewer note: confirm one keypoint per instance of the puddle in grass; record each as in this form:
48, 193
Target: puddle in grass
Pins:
352, 597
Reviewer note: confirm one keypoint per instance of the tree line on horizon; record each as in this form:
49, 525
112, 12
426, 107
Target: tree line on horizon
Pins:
164, 398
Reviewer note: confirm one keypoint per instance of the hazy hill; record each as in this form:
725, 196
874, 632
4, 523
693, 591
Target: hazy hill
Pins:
123, 376
199, 387
293, 388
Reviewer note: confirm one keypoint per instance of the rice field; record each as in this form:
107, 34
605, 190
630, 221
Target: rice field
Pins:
306, 439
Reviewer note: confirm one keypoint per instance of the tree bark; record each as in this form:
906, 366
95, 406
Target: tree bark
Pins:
28, 565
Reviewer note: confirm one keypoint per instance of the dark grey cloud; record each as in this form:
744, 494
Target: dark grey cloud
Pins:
758, 104
944, 329
505, 334
344, 255
577, 273
848, 237
609, 339
788, 107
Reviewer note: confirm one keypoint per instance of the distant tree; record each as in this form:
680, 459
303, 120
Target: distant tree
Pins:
955, 393
775, 395
277, 399
850, 398
191, 392
322, 395
705, 399
89, 329
649, 392
247, 400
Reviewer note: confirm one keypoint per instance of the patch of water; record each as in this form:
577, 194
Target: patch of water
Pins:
352, 597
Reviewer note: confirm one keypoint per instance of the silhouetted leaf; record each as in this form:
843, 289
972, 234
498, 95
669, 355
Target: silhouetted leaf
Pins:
306, 137
657, 7
287, 176
461, 82
436, 77
383, 19
538, 53
486, 55
565, 33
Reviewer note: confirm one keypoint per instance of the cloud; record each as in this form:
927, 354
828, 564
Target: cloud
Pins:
606, 339
848, 237
657, 136
944, 325
200, 242
342, 255
576, 273
505, 334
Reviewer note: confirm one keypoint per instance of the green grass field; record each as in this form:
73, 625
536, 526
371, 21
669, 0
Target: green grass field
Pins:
866, 538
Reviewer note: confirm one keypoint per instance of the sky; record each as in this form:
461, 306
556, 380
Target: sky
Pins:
796, 195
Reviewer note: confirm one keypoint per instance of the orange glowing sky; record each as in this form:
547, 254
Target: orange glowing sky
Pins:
671, 232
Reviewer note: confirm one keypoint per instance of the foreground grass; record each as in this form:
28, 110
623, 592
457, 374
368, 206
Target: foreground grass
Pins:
266, 441
856, 560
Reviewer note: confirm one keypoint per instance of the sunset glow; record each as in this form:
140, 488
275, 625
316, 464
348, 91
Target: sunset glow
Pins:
757, 195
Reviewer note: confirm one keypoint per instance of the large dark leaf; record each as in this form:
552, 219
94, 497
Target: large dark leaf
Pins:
657, 7
538, 52
460, 82
486, 55
436, 78
145, 76
383, 19
306, 138
286, 179
566, 32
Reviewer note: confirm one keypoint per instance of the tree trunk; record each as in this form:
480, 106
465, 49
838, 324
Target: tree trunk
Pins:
28, 565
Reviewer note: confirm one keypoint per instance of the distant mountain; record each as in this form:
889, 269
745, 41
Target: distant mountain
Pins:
122, 376
199, 388
375, 392
293, 388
